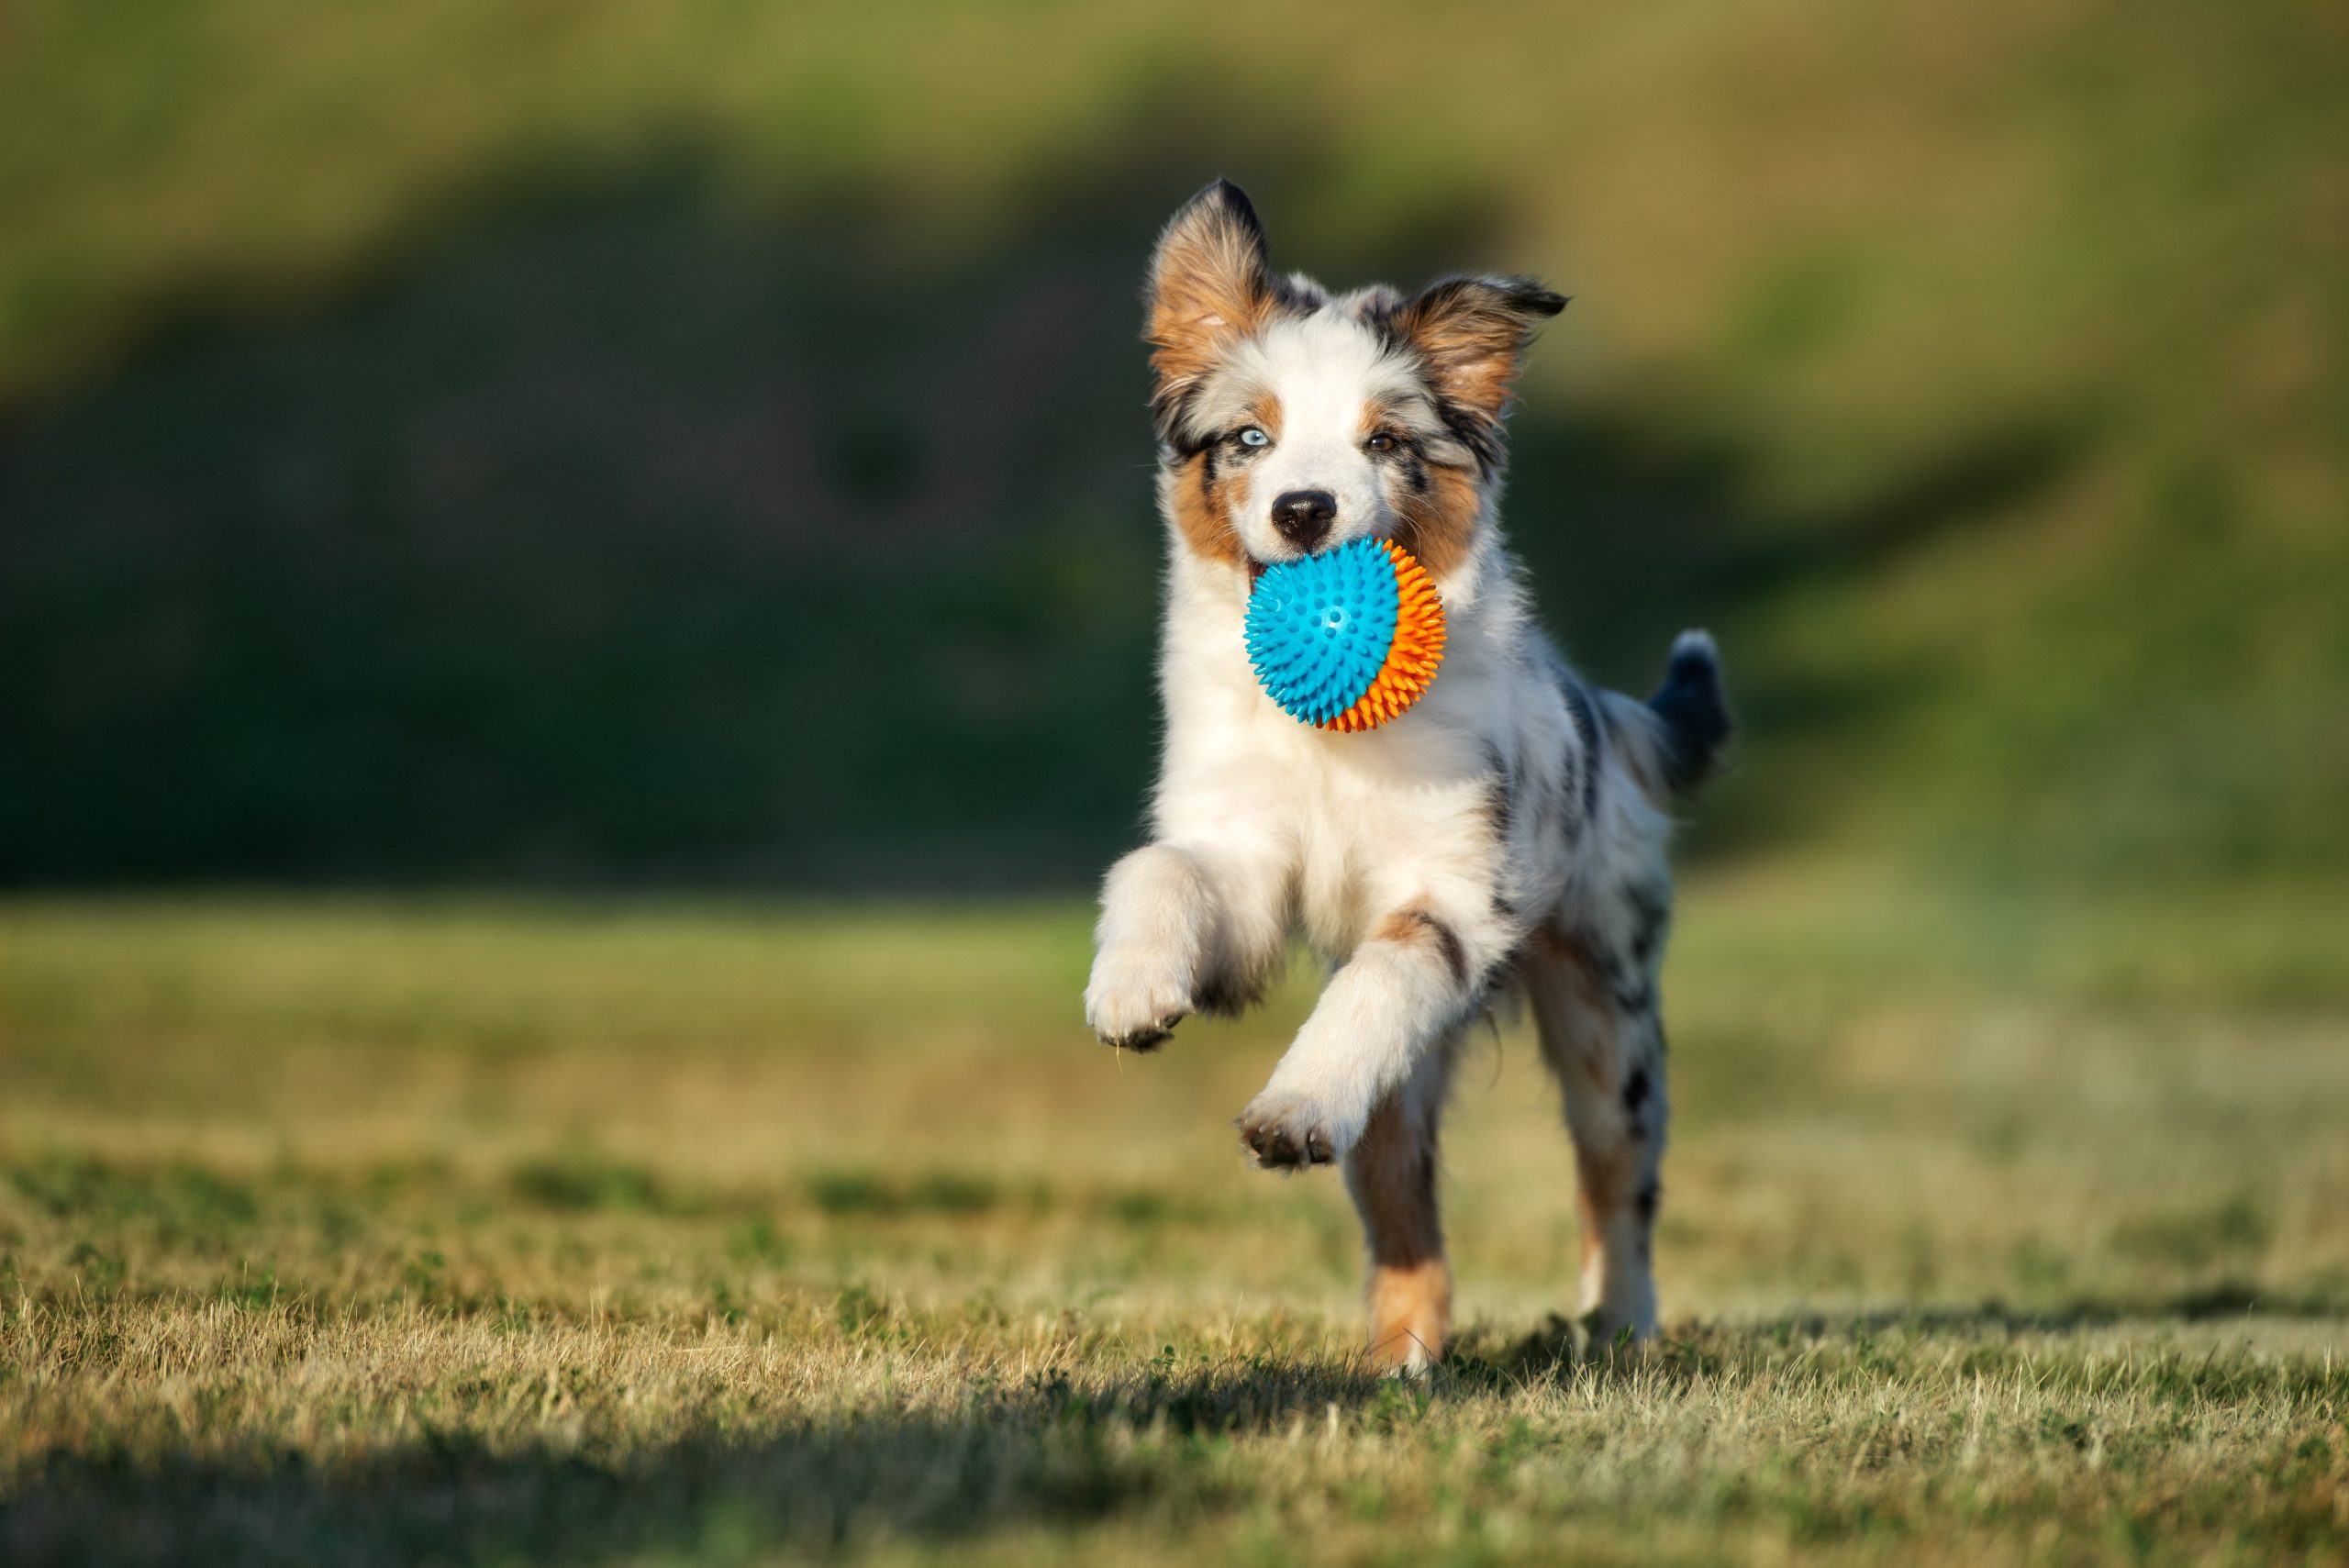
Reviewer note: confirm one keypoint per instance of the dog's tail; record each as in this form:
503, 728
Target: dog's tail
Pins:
1691, 710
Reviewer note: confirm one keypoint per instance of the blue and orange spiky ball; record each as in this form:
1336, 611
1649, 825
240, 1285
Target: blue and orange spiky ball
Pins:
1349, 639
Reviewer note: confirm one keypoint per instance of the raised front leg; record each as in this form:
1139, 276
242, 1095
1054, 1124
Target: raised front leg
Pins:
1156, 934
1401, 991
1178, 934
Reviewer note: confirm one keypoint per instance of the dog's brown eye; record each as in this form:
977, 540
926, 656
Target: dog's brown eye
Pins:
1382, 442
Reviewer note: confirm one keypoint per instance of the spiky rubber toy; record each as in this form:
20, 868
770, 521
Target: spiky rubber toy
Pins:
1349, 639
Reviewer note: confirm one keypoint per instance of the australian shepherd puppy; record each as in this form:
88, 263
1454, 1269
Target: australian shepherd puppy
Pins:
1506, 833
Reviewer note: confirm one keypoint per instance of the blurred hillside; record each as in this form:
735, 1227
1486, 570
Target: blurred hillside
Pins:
704, 442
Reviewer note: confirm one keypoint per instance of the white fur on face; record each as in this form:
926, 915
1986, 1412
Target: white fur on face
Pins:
1311, 378
1322, 370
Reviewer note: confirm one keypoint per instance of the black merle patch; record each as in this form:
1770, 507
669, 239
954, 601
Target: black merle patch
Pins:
1627, 984
1695, 714
1500, 794
1651, 917
1455, 956
1501, 814
1481, 436
1447, 941
1170, 415
1586, 719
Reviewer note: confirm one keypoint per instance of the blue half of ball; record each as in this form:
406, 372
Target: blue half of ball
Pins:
1319, 629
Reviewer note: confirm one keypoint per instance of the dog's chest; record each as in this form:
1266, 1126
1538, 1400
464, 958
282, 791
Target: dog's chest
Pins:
1356, 826
1367, 822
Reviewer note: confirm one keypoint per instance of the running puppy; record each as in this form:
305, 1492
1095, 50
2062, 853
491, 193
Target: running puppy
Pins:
1510, 830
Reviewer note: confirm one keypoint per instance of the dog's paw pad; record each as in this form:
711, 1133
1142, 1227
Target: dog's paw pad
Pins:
1144, 1039
1285, 1132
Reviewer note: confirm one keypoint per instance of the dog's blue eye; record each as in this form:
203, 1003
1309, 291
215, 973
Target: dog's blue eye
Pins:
1252, 437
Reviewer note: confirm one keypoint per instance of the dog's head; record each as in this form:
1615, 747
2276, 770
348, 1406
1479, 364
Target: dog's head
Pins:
1290, 420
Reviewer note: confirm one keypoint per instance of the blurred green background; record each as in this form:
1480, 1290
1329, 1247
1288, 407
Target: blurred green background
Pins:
702, 444
522, 449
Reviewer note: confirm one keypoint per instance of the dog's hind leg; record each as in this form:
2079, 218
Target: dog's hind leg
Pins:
1601, 1034
1392, 1175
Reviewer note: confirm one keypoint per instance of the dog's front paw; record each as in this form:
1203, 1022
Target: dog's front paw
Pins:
1287, 1132
1135, 999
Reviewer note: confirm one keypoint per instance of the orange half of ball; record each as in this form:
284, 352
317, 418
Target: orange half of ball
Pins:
1411, 657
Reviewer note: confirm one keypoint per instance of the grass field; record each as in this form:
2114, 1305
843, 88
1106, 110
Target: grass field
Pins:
483, 1231
503, 445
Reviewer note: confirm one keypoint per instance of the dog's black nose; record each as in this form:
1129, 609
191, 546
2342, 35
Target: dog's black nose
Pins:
1303, 516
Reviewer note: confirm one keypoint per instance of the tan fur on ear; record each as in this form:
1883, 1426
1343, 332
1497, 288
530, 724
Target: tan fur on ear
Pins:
1210, 281
1472, 331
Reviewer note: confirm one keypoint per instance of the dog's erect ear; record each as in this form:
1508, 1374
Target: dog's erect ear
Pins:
1472, 331
1210, 281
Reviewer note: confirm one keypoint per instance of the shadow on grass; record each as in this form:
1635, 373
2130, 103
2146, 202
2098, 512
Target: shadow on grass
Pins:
2204, 1304
1561, 1348
1048, 1451
1154, 1443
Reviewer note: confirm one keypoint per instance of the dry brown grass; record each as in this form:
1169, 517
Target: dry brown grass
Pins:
377, 1233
